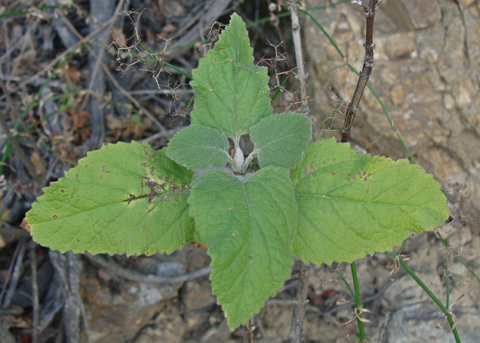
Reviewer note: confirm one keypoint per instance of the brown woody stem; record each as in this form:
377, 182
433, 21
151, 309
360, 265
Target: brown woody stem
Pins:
364, 74
299, 304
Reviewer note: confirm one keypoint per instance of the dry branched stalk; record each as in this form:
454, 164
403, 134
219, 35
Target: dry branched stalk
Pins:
369, 11
35, 300
301, 299
297, 42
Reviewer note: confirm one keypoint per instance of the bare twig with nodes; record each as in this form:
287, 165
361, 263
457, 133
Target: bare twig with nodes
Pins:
301, 299
297, 42
369, 11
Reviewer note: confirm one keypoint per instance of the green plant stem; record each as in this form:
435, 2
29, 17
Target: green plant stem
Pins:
458, 258
161, 62
432, 296
352, 293
447, 281
330, 120
21, 13
278, 91
287, 13
358, 302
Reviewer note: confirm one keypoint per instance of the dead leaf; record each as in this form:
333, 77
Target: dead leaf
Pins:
25, 225
72, 75
118, 38
37, 162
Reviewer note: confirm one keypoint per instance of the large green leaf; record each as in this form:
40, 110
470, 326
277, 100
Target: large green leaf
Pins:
281, 139
198, 147
248, 225
352, 204
121, 199
232, 93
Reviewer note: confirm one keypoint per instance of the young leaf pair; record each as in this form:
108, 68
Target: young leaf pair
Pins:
320, 201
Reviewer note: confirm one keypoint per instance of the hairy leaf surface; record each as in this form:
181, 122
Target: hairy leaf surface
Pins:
198, 147
232, 93
281, 139
248, 225
121, 199
351, 204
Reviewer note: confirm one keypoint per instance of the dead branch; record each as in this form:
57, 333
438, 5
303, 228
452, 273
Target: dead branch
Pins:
36, 302
139, 277
299, 304
297, 42
369, 11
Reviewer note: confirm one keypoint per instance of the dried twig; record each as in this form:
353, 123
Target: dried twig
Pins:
35, 302
139, 277
297, 42
101, 10
299, 304
61, 56
163, 131
248, 334
14, 274
369, 11
68, 267
383, 329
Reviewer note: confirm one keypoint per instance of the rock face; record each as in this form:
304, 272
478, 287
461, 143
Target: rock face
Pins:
426, 72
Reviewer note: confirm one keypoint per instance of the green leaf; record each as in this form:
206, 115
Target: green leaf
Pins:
352, 204
121, 199
248, 225
281, 139
232, 93
198, 147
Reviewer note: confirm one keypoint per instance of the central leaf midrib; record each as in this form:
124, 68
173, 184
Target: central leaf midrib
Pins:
244, 186
97, 206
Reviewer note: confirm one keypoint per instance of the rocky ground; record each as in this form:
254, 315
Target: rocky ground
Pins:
73, 75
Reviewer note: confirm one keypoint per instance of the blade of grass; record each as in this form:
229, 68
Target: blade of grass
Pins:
278, 91
432, 296
458, 258
358, 303
330, 120
25, 12
446, 274
352, 293
161, 62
